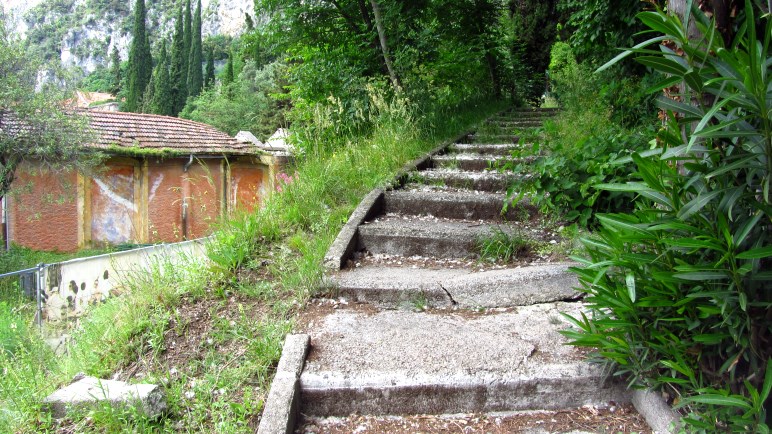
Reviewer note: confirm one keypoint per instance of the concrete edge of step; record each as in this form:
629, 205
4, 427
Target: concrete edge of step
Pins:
281, 407
657, 413
345, 243
372, 204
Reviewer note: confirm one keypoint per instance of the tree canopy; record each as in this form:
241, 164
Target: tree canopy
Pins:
34, 126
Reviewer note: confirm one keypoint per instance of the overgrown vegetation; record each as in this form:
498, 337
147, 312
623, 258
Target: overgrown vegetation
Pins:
679, 287
264, 265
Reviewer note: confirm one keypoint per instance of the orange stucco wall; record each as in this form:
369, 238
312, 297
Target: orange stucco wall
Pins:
43, 210
165, 200
203, 196
131, 200
247, 186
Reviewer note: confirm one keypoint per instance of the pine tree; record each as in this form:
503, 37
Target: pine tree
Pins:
209, 77
178, 75
140, 60
162, 96
115, 71
195, 76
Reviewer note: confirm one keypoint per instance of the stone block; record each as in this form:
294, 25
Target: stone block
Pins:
148, 399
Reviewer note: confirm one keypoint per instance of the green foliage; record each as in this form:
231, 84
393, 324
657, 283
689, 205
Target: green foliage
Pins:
195, 58
592, 123
140, 60
101, 80
209, 75
162, 102
597, 28
679, 289
34, 125
247, 104
178, 67
116, 73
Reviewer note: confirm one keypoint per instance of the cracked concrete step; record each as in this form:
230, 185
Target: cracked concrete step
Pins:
392, 287
483, 148
402, 362
469, 205
405, 236
482, 181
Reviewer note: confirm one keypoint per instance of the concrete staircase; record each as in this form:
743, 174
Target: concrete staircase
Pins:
421, 326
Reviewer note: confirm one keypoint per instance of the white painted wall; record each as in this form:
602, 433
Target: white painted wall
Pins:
72, 286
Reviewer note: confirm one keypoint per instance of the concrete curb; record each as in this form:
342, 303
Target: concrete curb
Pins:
372, 204
281, 407
660, 417
345, 243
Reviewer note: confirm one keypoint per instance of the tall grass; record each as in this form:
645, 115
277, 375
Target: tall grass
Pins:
284, 241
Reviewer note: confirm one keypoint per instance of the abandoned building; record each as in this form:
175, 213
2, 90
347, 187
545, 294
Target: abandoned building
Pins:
164, 180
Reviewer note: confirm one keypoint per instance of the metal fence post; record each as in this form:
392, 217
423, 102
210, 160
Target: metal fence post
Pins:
39, 295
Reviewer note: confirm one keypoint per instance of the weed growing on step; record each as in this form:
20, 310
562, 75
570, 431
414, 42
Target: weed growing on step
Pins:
504, 246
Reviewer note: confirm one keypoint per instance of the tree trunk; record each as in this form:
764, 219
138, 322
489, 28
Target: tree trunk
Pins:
493, 70
384, 45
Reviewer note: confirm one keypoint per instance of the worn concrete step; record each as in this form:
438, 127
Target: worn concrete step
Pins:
471, 162
403, 362
493, 138
482, 148
469, 205
481, 181
393, 287
412, 236
520, 123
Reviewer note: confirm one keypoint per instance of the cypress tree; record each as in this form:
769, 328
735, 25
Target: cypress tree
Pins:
162, 97
178, 68
195, 76
140, 60
229, 73
209, 77
115, 71
187, 38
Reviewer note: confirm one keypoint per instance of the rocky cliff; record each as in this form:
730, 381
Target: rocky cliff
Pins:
82, 33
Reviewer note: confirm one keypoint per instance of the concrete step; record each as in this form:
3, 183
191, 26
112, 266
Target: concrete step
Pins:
393, 287
493, 138
469, 205
402, 362
471, 162
481, 148
481, 181
520, 123
416, 236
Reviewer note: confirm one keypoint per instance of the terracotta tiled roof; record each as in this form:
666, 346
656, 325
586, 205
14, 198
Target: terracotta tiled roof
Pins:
134, 131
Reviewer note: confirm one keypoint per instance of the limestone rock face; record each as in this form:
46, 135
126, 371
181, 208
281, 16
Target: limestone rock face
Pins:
83, 37
149, 399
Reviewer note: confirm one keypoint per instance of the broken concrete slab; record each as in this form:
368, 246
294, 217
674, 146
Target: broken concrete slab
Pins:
481, 181
470, 205
147, 399
399, 362
392, 287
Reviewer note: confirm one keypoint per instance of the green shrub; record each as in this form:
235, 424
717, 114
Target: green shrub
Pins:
679, 291
562, 176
